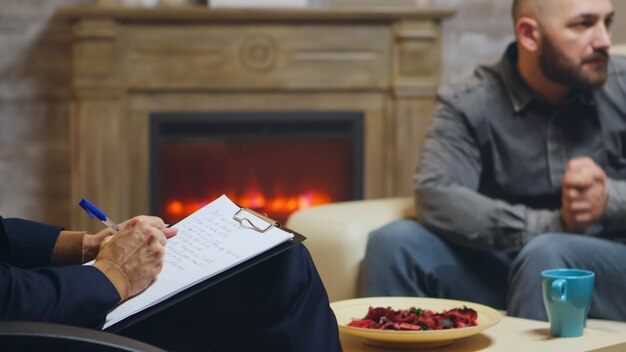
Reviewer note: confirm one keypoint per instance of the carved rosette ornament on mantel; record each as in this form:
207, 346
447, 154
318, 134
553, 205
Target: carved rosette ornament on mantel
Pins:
258, 53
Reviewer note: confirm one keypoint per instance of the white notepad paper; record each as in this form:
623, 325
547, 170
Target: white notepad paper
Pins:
208, 242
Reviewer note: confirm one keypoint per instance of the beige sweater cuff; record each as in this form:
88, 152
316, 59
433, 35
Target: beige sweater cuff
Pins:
116, 275
68, 249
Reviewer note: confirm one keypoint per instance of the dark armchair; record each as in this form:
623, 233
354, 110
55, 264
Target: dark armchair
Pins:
34, 336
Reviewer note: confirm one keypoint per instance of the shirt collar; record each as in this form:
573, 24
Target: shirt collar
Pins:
586, 97
519, 93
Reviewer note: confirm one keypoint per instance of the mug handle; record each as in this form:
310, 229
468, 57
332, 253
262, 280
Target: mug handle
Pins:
559, 290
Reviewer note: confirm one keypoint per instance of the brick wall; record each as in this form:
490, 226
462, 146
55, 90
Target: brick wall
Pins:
34, 110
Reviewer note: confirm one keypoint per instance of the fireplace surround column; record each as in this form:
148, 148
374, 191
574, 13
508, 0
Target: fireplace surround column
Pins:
99, 165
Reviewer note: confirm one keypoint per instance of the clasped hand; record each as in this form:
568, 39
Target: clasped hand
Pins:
584, 194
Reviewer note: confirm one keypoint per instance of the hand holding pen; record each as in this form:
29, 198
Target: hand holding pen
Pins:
136, 246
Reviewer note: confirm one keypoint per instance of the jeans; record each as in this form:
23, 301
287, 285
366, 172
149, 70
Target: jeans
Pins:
606, 258
405, 259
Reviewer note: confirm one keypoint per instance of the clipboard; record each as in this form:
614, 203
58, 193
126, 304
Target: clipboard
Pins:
246, 217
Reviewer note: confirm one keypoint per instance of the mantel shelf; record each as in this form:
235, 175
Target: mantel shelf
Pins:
204, 14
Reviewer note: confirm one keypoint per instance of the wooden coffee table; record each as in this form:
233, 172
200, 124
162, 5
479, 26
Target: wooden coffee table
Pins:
515, 334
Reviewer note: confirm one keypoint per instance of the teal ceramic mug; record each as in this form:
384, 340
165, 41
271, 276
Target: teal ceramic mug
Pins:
567, 296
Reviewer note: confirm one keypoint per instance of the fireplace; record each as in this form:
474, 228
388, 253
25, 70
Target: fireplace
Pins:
272, 162
128, 64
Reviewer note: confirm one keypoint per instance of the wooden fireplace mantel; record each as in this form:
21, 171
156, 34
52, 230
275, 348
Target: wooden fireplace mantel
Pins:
163, 14
130, 62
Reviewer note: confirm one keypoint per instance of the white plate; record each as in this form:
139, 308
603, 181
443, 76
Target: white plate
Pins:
347, 310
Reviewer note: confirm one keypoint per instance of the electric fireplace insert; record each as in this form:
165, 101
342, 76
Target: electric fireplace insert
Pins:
272, 162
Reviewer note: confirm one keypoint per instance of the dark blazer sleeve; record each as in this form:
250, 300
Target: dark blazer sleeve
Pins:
30, 243
75, 295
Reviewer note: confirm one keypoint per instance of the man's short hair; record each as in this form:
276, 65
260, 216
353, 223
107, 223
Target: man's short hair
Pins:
524, 8
515, 10
538, 9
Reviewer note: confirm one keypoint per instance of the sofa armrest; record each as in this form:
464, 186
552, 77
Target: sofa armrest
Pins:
337, 236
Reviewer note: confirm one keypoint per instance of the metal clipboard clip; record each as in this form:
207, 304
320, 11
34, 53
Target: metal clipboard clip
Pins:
257, 221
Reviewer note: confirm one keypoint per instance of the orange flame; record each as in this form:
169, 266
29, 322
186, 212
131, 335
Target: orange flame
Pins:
177, 209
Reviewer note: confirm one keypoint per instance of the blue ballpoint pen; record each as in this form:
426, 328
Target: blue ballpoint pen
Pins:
93, 211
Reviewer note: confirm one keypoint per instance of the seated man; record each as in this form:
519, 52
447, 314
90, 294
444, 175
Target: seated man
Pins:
277, 305
523, 169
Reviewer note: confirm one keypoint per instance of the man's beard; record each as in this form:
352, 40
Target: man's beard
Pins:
555, 66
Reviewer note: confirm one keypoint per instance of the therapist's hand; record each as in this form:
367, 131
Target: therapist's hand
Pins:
92, 243
138, 249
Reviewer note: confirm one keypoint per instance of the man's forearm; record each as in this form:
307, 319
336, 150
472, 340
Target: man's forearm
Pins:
447, 197
464, 216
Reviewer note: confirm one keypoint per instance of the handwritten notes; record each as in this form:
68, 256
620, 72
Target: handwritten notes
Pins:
201, 235
209, 242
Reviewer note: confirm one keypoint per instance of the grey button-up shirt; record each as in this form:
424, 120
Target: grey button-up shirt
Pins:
491, 171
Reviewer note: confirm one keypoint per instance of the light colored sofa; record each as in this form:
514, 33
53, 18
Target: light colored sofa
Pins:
618, 49
337, 235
